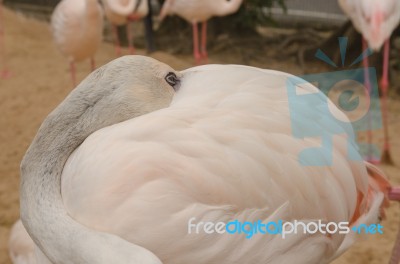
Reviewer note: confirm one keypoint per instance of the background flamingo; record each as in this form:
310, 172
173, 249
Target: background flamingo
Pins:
4, 71
21, 246
77, 27
376, 20
196, 11
121, 12
137, 149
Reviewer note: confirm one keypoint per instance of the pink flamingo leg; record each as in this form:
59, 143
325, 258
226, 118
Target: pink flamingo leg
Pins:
384, 89
73, 72
204, 54
394, 195
116, 40
4, 72
129, 35
196, 53
367, 84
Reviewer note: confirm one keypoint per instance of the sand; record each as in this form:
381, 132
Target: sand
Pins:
40, 82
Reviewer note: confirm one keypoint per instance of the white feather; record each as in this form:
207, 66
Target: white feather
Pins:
223, 150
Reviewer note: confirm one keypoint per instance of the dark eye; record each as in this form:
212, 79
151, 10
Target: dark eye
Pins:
172, 80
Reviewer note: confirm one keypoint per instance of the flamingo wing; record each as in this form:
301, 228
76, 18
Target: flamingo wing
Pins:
223, 150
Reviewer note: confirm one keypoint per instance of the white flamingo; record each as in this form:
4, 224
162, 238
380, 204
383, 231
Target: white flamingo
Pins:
4, 71
120, 12
77, 27
137, 149
199, 11
21, 246
376, 20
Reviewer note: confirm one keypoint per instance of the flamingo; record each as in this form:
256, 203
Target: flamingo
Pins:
77, 28
120, 12
199, 11
21, 246
4, 72
376, 20
137, 149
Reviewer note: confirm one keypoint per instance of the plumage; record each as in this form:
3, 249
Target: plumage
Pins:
220, 149
199, 11
77, 28
118, 11
121, 12
375, 20
21, 246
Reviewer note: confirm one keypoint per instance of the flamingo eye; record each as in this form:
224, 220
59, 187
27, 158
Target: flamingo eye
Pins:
173, 80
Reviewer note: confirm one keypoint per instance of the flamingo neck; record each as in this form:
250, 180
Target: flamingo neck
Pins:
61, 238
42, 209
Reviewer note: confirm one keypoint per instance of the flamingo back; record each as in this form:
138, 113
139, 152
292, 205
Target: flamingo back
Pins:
222, 151
77, 28
199, 11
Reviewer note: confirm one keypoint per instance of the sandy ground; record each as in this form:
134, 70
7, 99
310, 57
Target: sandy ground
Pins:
41, 80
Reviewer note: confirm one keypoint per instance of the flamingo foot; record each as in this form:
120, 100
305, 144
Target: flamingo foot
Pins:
394, 193
133, 17
373, 160
118, 51
387, 157
197, 58
385, 84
